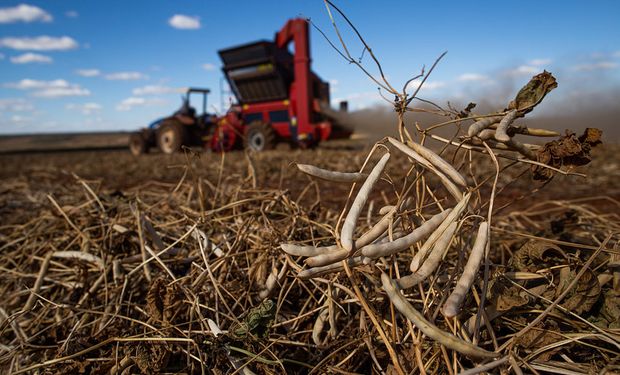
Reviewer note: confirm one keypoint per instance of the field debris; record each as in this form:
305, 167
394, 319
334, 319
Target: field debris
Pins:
199, 300
569, 151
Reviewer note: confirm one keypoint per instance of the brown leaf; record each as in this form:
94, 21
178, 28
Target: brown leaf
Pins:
569, 150
154, 300
161, 300
535, 255
152, 358
535, 339
611, 309
512, 298
533, 92
591, 136
583, 295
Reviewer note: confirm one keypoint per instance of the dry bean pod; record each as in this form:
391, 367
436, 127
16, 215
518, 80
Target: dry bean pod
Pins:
332, 176
389, 248
439, 163
418, 258
447, 182
482, 124
501, 133
334, 267
306, 251
448, 340
453, 303
346, 235
432, 262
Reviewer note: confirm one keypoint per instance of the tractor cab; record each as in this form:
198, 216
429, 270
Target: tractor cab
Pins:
187, 114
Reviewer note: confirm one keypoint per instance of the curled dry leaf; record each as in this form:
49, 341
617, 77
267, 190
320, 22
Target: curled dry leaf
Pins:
505, 296
583, 296
568, 151
152, 358
162, 300
255, 322
535, 255
533, 92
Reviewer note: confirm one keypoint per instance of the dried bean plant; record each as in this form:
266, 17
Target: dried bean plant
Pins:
218, 275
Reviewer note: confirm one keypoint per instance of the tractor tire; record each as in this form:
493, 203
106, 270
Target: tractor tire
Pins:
137, 144
260, 137
171, 136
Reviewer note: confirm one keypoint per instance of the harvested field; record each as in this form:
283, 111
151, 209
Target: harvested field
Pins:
27, 143
116, 264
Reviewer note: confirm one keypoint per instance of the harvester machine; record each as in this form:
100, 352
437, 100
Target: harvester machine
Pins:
278, 97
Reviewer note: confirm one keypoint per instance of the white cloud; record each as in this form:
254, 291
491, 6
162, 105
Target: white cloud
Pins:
30, 57
125, 76
92, 106
472, 77
539, 62
39, 43
88, 72
86, 108
24, 13
524, 70
428, 85
49, 89
57, 92
18, 119
131, 102
30, 84
180, 21
71, 14
15, 105
602, 65
616, 54
208, 66
155, 90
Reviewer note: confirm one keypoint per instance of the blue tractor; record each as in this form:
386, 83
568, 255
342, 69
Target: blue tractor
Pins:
184, 128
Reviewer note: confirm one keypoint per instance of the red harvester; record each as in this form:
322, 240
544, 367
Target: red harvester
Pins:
279, 98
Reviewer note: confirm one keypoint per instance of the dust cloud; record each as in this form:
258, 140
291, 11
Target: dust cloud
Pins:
599, 110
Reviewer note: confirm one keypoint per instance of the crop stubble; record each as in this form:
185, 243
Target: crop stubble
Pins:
216, 236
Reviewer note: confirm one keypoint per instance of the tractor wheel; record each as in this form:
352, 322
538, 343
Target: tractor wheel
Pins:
137, 144
171, 136
260, 137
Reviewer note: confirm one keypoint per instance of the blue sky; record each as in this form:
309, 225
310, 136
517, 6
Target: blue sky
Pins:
84, 65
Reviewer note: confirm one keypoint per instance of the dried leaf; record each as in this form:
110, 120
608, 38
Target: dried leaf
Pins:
583, 295
162, 300
533, 92
152, 358
535, 255
154, 300
569, 150
255, 322
510, 299
611, 309
535, 339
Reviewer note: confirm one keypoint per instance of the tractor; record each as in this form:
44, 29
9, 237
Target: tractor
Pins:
185, 127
